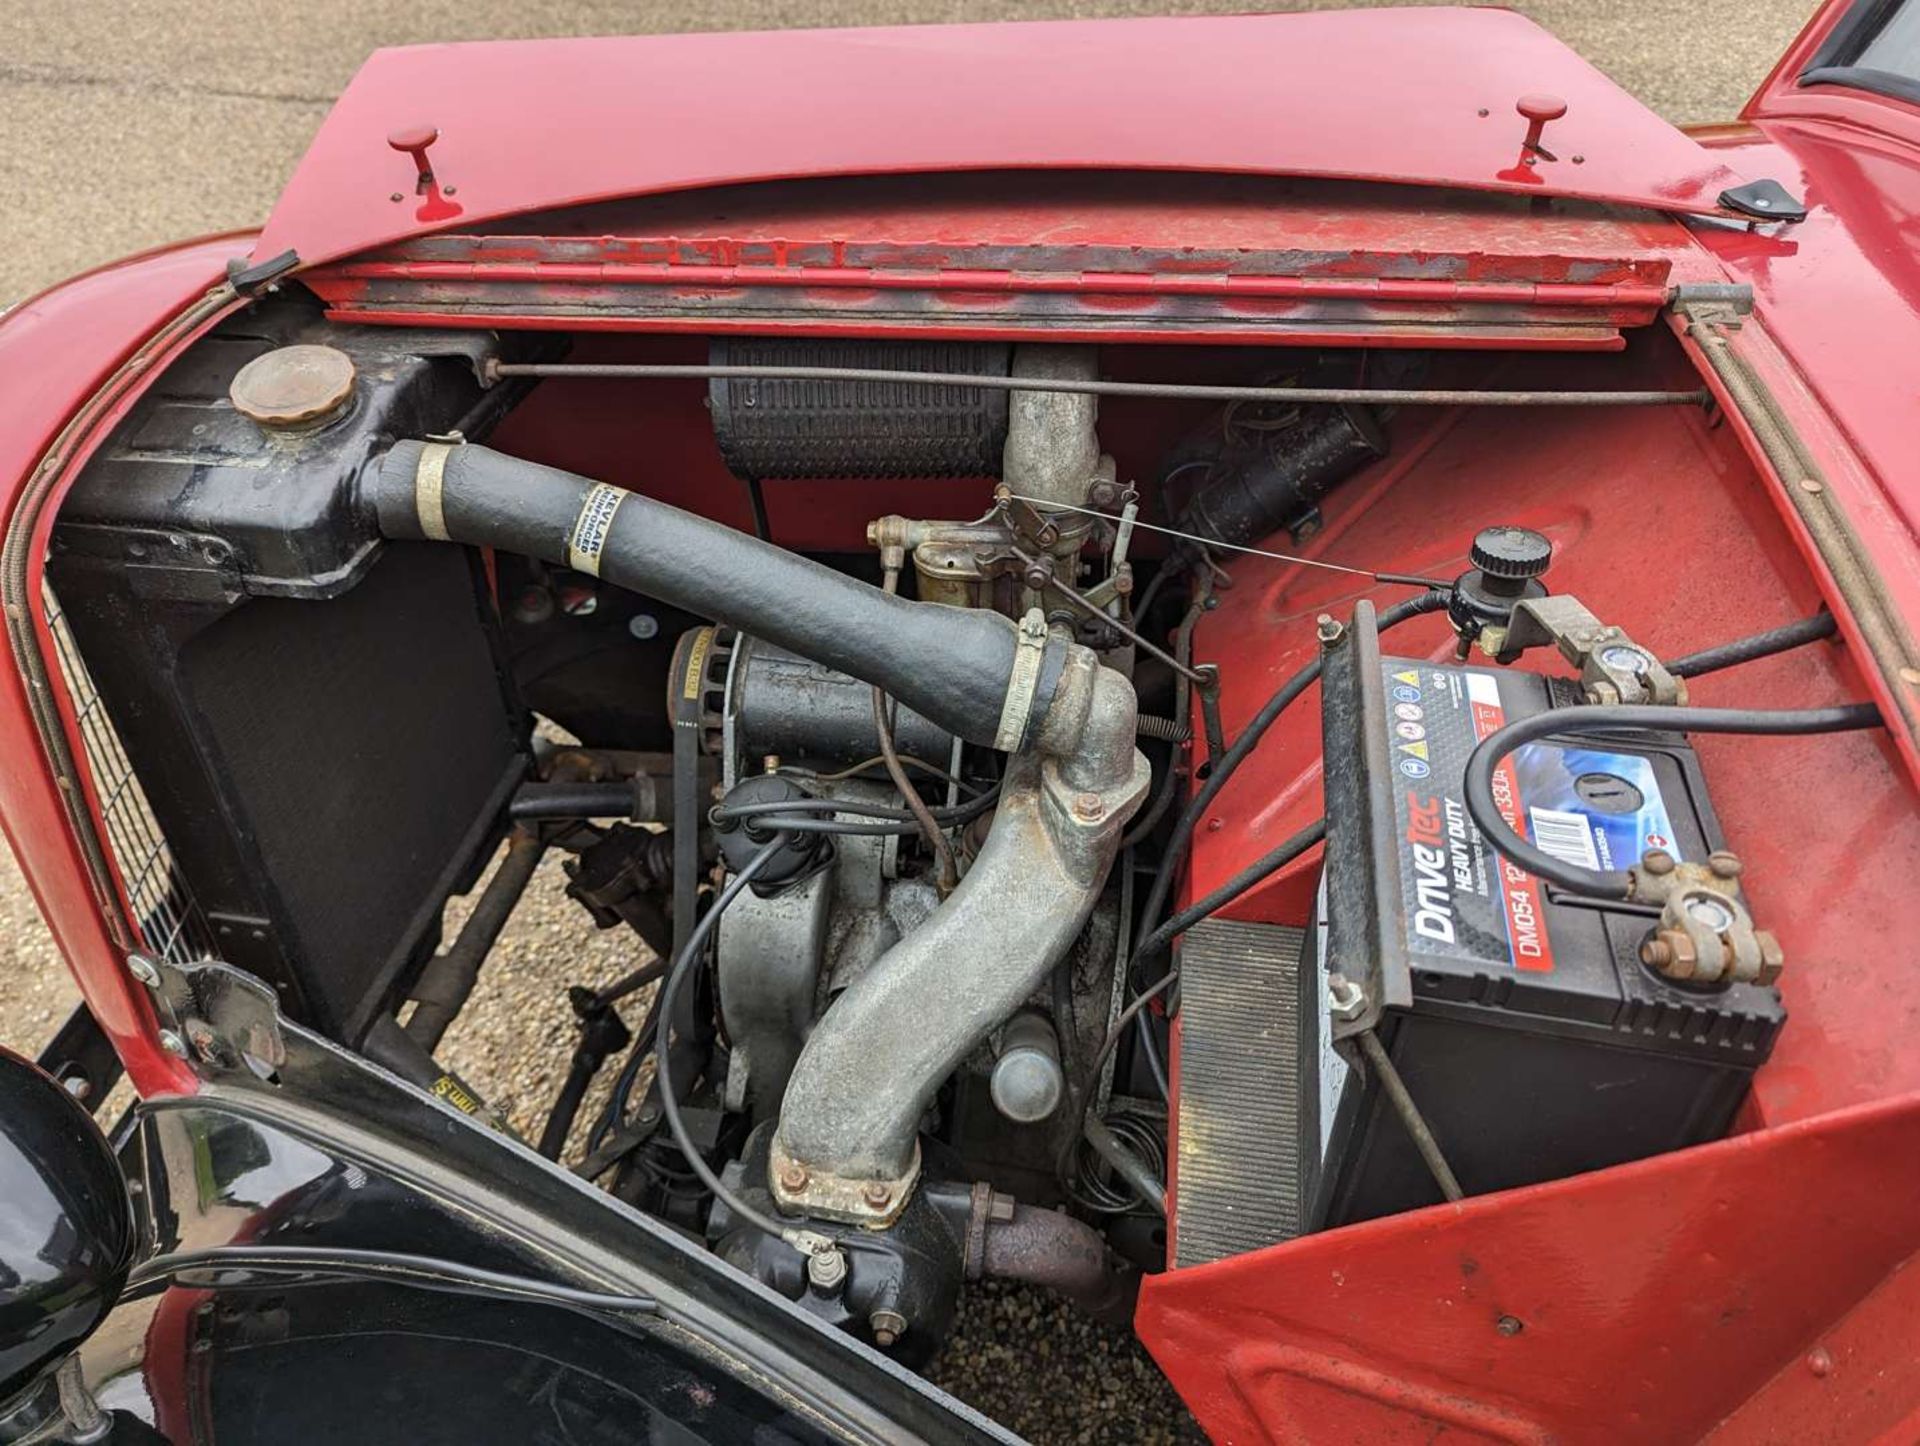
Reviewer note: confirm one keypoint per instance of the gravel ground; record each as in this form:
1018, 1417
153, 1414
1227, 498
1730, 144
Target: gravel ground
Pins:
187, 123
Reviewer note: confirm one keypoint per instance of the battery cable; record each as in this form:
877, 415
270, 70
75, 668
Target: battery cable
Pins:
1618, 883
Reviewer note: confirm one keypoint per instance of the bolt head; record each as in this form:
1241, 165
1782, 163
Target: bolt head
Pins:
793, 1177
143, 970
1330, 629
173, 1043
1086, 806
877, 1193
888, 1326
1724, 864
1683, 960
1509, 1325
1657, 861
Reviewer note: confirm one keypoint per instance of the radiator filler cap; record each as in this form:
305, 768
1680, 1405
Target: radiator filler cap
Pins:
293, 386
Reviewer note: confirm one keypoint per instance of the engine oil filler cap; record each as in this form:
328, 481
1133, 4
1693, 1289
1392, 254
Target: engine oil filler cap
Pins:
293, 386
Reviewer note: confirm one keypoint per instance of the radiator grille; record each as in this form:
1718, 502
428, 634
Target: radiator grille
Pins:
1242, 1171
163, 909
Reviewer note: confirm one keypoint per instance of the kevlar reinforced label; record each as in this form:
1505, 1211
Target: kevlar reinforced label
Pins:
592, 527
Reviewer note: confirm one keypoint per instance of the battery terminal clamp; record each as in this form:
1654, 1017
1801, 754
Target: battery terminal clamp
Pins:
1613, 668
1705, 934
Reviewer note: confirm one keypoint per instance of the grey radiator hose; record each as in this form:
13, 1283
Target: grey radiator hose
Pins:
974, 673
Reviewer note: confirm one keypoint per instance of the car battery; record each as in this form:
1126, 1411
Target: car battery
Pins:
1531, 1038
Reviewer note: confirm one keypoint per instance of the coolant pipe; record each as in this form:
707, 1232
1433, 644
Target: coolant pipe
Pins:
847, 1143
1010, 1241
448, 980
974, 673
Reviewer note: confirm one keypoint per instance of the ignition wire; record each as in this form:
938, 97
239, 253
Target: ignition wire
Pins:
805, 1241
1249, 739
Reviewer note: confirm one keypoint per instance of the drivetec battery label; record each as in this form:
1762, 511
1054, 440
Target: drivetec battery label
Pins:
1588, 806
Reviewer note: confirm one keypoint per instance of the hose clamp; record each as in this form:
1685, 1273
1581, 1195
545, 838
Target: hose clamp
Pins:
430, 488
1023, 680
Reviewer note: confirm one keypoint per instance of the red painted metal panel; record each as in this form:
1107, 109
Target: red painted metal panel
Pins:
1840, 295
1243, 259
56, 351
1642, 1303
1857, 1382
1782, 96
1660, 524
1411, 96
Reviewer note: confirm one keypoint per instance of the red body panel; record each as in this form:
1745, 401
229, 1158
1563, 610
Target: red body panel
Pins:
1242, 260
1652, 1300
57, 350
1359, 95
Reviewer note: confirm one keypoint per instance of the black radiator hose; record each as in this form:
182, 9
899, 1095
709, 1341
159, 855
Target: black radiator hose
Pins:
953, 666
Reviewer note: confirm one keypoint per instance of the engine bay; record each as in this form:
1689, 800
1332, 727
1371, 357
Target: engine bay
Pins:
1104, 811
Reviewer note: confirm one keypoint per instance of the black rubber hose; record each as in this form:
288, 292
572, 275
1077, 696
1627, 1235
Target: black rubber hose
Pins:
576, 799
1618, 883
1760, 645
566, 1106
448, 980
950, 665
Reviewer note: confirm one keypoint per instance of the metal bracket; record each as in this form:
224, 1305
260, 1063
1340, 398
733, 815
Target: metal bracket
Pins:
1714, 303
262, 275
213, 1014
1613, 668
875, 1204
1764, 200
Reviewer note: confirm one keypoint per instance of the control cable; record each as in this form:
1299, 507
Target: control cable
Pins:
1233, 888
386, 1267
930, 829
1618, 883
